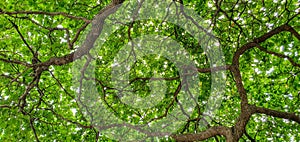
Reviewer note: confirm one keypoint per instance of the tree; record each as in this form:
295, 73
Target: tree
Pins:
42, 41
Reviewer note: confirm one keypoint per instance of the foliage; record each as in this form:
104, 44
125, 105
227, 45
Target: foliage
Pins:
259, 39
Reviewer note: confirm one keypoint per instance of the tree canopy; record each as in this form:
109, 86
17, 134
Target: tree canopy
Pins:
218, 70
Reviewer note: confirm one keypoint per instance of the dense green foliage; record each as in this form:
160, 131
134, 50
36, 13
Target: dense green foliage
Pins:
259, 39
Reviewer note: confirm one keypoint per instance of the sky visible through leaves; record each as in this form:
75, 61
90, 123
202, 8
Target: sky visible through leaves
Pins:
183, 70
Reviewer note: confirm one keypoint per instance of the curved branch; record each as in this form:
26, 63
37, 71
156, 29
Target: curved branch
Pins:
249, 137
211, 132
261, 39
239, 127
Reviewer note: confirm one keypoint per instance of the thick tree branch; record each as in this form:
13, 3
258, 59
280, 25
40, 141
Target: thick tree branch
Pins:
239, 127
97, 25
261, 39
274, 113
239, 84
211, 132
